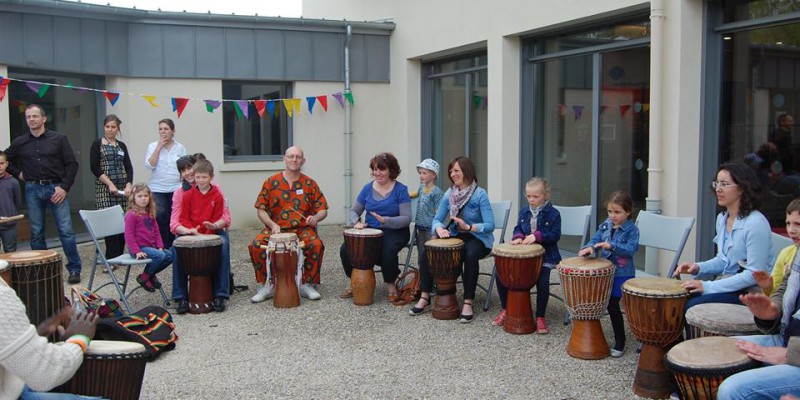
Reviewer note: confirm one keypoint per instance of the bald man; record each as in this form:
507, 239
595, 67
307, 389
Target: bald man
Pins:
290, 202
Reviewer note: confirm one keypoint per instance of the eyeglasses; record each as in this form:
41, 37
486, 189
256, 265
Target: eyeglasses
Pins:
722, 185
294, 157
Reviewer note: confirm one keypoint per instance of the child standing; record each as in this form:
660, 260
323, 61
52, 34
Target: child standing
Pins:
429, 196
617, 238
144, 238
538, 223
10, 204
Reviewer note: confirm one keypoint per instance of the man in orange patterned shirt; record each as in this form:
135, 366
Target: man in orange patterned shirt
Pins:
289, 201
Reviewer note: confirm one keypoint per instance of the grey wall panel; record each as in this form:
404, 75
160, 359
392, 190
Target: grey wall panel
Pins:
67, 43
270, 61
11, 52
179, 51
377, 58
146, 56
240, 59
358, 59
328, 53
210, 52
38, 31
298, 55
94, 47
117, 48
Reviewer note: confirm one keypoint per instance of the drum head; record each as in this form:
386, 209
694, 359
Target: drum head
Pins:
283, 237
518, 250
3, 265
29, 257
368, 232
655, 287
586, 263
104, 347
715, 352
724, 319
193, 241
448, 243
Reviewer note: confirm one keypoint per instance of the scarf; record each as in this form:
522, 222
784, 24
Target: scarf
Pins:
535, 216
790, 296
460, 197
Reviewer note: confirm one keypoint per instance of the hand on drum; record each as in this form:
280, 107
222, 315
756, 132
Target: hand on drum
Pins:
442, 233
771, 355
693, 286
462, 226
50, 325
212, 226
359, 225
587, 251
686, 268
761, 306
530, 239
82, 323
763, 279
377, 216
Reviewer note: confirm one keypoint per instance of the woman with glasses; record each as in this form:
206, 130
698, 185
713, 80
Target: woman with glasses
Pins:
743, 240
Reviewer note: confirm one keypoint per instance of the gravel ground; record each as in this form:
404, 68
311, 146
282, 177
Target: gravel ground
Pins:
333, 349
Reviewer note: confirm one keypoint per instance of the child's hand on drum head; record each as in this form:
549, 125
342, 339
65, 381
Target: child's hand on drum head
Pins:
530, 239
686, 268
587, 251
516, 241
359, 225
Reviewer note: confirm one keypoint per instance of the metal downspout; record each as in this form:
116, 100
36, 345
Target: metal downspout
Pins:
655, 167
348, 133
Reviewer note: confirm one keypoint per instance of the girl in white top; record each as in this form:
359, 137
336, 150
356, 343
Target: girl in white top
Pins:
161, 159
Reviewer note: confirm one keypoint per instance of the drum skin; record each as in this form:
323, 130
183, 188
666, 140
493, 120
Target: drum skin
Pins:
444, 263
719, 319
111, 370
199, 256
36, 277
518, 268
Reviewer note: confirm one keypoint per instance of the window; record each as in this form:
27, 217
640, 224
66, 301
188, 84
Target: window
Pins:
255, 138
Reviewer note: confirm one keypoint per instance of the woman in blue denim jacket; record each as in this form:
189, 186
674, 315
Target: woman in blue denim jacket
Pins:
538, 223
465, 213
617, 238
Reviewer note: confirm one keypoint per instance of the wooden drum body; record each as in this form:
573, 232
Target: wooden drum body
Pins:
719, 319
364, 250
200, 256
586, 283
655, 316
444, 263
111, 370
700, 365
518, 268
283, 248
36, 277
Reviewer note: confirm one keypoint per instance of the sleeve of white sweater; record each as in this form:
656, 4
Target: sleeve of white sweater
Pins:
27, 355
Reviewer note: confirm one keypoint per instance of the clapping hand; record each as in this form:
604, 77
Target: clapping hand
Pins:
761, 306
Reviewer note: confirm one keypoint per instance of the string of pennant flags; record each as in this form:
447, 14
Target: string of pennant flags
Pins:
241, 107
577, 109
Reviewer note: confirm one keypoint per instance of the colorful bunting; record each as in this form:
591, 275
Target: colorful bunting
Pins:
151, 100
349, 97
178, 104
3, 85
37, 87
212, 105
646, 107
623, 109
578, 112
323, 101
562, 110
242, 108
476, 100
111, 96
338, 97
260, 106
76, 88
311, 100
271, 107
292, 106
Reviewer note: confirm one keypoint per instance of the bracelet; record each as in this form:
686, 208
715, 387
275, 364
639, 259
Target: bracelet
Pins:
469, 228
81, 340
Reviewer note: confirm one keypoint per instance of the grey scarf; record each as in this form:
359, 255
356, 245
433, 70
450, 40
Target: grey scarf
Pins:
459, 197
790, 296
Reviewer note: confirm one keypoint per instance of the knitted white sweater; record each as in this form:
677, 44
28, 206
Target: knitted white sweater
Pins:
26, 357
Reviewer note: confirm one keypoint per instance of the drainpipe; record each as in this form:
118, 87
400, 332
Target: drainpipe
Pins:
348, 133
655, 169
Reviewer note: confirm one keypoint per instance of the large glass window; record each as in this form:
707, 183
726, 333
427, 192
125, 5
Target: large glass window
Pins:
255, 138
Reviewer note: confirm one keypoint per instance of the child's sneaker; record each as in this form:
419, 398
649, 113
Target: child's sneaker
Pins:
145, 283
500, 319
155, 282
541, 326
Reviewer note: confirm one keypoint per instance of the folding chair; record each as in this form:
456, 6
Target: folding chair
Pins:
664, 233
101, 224
500, 211
779, 242
413, 241
574, 222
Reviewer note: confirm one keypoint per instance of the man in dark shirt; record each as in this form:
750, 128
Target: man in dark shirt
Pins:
44, 160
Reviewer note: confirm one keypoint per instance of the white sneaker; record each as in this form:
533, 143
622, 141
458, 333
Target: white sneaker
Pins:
617, 353
308, 291
265, 292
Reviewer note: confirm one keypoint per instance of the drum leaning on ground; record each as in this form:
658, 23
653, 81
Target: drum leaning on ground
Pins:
364, 250
36, 277
283, 255
655, 316
200, 256
518, 268
111, 370
700, 365
444, 263
719, 319
587, 284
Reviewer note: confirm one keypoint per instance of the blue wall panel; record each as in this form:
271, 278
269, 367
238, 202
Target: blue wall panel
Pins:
38, 36
68, 49
179, 51
270, 63
146, 56
210, 52
240, 59
94, 46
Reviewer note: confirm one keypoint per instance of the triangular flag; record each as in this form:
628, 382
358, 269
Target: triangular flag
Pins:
288, 104
623, 109
338, 97
578, 112
296, 105
562, 110
260, 106
646, 107
476, 100
323, 101
3, 85
111, 96
151, 100
76, 88
39, 88
243, 107
637, 107
212, 105
349, 97
311, 100
178, 104
271, 107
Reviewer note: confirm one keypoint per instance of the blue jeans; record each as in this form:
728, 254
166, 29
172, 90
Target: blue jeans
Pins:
163, 212
9, 238
727, 298
161, 260
29, 394
38, 198
221, 281
767, 382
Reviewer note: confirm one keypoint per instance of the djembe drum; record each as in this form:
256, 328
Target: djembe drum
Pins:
199, 256
444, 263
518, 268
5, 272
700, 365
586, 283
655, 316
364, 250
36, 277
720, 319
283, 255
111, 370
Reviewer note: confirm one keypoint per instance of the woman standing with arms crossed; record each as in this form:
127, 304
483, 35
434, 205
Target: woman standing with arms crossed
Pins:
165, 179
110, 163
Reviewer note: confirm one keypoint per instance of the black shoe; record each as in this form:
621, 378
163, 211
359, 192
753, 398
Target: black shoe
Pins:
74, 277
465, 319
145, 284
219, 304
155, 282
183, 306
417, 310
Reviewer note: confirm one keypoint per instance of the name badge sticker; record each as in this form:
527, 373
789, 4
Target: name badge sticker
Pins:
298, 192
